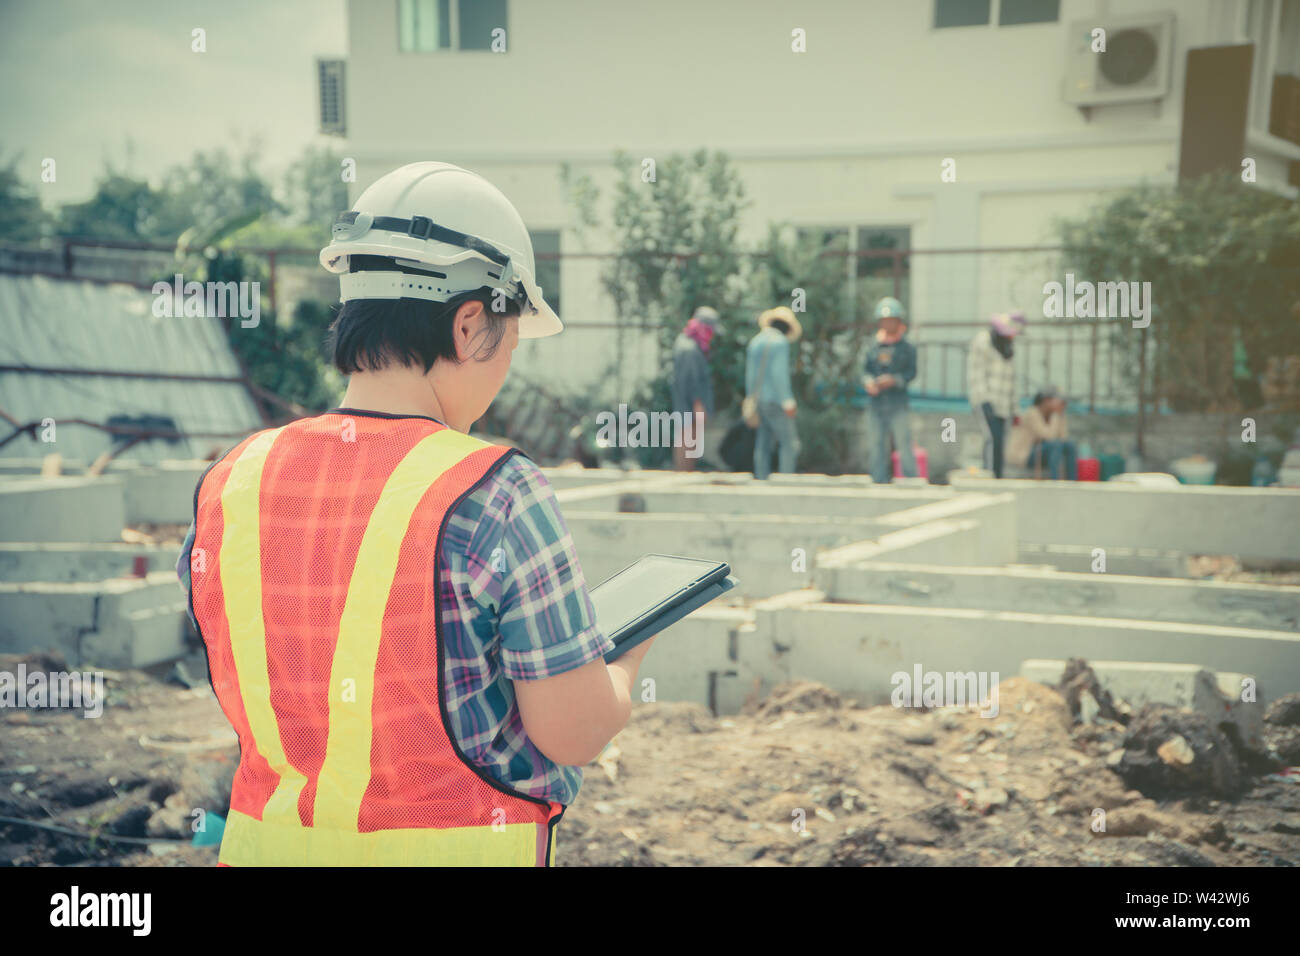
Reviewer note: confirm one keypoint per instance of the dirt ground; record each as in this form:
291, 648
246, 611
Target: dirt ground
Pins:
803, 780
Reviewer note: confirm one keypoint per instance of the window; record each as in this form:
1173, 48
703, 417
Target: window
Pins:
1012, 12
546, 252
426, 26
1006, 13
961, 13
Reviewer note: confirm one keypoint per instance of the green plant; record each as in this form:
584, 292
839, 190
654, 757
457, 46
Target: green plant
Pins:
1221, 257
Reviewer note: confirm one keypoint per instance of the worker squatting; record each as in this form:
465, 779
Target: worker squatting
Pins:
651, 430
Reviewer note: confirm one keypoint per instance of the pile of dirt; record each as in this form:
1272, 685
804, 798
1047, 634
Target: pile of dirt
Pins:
804, 779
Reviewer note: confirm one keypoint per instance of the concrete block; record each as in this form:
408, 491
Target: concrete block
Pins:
1187, 686
62, 509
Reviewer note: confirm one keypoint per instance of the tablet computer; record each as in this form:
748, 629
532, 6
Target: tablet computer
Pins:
644, 598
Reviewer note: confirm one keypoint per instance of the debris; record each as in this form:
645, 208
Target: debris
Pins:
1169, 753
1284, 712
798, 697
1077, 682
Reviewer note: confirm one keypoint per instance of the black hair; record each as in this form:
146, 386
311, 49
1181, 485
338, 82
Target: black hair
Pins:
781, 325
371, 334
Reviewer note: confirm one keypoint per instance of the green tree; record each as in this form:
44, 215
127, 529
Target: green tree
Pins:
676, 247
22, 217
315, 191
1223, 260
122, 209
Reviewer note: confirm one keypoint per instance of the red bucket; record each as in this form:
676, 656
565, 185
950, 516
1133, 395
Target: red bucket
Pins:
1089, 469
922, 462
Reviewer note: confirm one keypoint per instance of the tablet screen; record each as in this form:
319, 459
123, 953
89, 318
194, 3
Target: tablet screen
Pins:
643, 586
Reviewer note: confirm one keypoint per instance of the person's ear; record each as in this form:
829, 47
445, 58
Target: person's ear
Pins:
466, 328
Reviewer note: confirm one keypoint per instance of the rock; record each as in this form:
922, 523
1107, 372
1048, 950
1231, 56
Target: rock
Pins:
986, 799
1169, 753
1176, 751
1088, 707
1114, 757
1284, 712
1079, 680
172, 819
133, 821
1285, 742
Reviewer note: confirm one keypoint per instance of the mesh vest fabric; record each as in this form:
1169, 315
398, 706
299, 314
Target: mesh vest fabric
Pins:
314, 577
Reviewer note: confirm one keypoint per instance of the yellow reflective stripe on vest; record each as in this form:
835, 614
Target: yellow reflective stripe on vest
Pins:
241, 585
250, 842
345, 774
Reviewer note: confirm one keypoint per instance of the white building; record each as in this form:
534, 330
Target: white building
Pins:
850, 134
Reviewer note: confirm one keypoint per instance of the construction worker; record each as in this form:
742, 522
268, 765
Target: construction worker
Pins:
889, 368
991, 382
396, 622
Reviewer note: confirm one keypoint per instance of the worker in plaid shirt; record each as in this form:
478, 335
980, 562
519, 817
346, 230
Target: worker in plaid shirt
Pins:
991, 383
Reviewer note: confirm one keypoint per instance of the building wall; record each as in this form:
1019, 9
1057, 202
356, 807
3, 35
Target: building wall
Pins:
852, 132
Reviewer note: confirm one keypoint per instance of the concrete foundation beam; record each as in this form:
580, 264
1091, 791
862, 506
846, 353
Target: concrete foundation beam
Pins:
761, 549
62, 562
1216, 695
123, 623
1255, 523
856, 649
62, 509
163, 494
1051, 592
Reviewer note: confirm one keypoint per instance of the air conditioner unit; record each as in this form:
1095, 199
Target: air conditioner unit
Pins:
1134, 67
331, 89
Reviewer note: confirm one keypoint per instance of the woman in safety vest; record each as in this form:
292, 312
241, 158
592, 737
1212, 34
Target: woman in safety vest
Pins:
395, 619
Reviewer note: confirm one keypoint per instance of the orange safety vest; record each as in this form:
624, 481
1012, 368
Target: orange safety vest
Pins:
314, 577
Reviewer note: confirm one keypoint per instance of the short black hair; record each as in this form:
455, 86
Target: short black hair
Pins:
781, 325
371, 334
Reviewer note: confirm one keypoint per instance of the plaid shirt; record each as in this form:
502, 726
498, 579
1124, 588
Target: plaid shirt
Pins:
990, 377
514, 607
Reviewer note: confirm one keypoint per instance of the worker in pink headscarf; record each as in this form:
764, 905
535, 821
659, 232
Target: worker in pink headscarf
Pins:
692, 384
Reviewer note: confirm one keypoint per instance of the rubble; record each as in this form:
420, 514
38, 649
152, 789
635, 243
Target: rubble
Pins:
803, 780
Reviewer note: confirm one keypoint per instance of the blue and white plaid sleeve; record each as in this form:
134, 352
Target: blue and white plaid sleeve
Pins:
544, 614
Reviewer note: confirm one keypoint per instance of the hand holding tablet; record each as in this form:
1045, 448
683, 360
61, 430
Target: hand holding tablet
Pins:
658, 590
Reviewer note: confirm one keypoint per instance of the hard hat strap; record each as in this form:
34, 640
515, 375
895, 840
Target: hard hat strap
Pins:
351, 225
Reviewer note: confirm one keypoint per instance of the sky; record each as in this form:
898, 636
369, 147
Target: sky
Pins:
90, 81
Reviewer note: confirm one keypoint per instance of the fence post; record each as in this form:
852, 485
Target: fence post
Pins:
1142, 380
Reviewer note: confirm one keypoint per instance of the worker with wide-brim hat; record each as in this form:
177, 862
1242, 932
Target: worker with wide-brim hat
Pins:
792, 330
769, 404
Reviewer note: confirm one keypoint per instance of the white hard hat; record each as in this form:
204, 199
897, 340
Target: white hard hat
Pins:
454, 226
